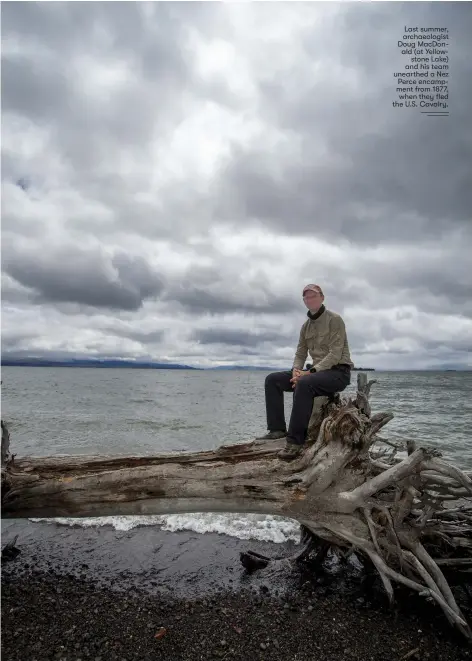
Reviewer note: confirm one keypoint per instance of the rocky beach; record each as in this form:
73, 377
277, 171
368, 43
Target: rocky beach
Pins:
104, 595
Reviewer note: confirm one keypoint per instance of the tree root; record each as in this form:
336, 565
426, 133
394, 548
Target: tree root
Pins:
10, 550
251, 561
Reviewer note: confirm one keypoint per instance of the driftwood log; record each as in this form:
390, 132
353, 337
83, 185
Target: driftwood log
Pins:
401, 508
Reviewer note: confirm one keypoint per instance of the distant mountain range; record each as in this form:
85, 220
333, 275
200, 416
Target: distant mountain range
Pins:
92, 362
22, 361
245, 367
8, 361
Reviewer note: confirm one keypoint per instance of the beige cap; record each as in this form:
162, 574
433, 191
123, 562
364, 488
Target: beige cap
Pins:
315, 288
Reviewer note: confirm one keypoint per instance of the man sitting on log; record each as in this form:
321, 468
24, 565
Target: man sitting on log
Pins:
323, 336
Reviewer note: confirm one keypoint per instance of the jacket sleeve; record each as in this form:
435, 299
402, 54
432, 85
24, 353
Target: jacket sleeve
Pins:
337, 339
302, 350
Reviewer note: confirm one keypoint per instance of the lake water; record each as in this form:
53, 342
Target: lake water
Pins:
126, 411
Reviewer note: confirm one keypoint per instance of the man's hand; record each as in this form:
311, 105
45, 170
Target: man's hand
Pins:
296, 375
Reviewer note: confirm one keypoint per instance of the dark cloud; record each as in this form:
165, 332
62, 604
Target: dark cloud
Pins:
237, 337
213, 291
451, 344
87, 277
387, 175
64, 87
13, 293
104, 81
11, 342
196, 300
144, 337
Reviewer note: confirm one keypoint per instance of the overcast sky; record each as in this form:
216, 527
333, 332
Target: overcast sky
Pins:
173, 174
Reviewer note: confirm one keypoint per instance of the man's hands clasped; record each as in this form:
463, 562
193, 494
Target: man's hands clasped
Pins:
296, 375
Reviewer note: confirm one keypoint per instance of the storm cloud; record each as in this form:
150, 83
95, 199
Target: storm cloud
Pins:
174, 173
235, 337
88, 277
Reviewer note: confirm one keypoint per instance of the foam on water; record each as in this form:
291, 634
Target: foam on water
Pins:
262, 527
250, 526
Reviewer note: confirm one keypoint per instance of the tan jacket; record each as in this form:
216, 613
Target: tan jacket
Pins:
325, 340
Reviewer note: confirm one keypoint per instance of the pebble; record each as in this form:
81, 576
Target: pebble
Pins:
129, 637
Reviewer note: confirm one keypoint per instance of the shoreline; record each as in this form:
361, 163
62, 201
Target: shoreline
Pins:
100, 594
184, 564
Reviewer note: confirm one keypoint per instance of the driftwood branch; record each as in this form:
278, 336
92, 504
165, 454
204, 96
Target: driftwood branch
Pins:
409, 516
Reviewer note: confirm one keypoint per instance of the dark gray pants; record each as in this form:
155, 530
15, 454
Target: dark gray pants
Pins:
309, 386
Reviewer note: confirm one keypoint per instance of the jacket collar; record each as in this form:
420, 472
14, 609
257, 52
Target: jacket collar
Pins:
317, 315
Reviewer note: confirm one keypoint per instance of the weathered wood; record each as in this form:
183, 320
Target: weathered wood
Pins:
349, 489
231, 479
252, 561
322, 406
5, 444
10, 551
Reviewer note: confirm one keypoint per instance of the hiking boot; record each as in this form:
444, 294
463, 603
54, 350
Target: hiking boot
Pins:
272, 436
291, 451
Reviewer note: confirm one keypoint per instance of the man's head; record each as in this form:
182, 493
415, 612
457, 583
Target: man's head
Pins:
313, 297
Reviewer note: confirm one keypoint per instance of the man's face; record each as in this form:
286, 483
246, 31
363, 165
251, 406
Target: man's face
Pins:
313, 300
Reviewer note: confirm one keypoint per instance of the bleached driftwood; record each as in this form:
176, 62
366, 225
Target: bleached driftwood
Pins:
318, 414
407, 516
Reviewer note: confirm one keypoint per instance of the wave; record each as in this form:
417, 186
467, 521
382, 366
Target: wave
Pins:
261, 527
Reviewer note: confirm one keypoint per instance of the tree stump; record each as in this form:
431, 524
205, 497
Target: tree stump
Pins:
321, 409
319, 412
407, 515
